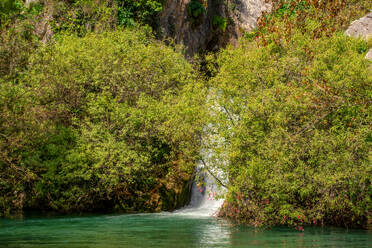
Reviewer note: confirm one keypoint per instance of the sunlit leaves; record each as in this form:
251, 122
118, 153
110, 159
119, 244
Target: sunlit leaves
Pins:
112, 120
301, 112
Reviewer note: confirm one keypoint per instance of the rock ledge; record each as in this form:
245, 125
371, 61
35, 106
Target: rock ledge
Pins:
362, 28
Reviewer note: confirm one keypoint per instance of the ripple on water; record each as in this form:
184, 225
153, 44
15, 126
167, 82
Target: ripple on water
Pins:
165, 230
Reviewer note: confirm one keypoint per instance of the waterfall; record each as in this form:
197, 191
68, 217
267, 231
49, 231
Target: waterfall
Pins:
204, 195
206, 192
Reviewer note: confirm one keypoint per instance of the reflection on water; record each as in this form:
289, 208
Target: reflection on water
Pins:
165, 230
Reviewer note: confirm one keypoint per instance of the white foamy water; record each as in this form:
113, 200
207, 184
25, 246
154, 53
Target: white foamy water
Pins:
203, 200
206, 196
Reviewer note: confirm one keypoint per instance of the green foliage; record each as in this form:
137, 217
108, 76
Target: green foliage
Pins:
8, 8
16, 9
16, 44
296, 117
220, 23
195, 11
16, 134
83, 16
102, 119
143, 11
369, 41
327, 17
109, 121
290, 8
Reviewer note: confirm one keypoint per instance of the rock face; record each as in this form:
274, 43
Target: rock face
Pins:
43, 28
30, 1
239, 15
362, 28
369, 54
248, 11
204, 35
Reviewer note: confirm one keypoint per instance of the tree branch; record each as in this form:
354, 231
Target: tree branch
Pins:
215, 177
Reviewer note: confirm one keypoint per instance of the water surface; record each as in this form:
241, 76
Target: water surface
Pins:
164, 230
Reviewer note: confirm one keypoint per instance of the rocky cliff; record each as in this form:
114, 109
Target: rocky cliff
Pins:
220, 23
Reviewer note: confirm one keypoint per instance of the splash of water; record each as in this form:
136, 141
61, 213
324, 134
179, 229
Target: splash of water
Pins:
204, 196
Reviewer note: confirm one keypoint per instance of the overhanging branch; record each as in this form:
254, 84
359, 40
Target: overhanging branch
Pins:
211, 173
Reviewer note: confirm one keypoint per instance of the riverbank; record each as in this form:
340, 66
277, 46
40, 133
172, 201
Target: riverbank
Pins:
165, 230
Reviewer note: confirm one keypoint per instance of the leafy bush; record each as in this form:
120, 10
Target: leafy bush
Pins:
195, 11
219, 22
296, 117
16, 44
108, 121
83, 16
8, 8
327, 16
143, 11
16, 135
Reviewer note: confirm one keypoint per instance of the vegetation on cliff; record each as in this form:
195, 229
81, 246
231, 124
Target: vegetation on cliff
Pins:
98, 115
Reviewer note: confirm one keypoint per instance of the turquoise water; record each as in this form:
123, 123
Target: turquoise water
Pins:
164, 230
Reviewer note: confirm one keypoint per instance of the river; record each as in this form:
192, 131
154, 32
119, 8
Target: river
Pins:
192, 226
165, 230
